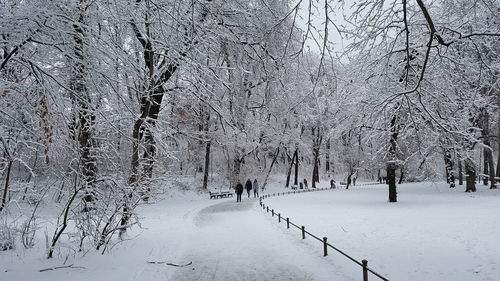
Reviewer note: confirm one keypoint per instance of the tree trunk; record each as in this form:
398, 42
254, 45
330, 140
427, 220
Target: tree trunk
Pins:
296, 180
391, 165
401, 176
6, 186
327, 160
270, 168
317, 139
491, 169
450, 176
315, 175
488, 164
460, 173
498, 162
485, 166
391, 181
207, 164
470, 170
294, 157
85, 122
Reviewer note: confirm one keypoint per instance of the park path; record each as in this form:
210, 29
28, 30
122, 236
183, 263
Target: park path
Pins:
235, 241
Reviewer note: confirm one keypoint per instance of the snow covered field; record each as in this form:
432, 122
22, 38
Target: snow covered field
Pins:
432, 233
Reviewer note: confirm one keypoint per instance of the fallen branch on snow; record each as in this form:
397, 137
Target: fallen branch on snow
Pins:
172, 264
59, 267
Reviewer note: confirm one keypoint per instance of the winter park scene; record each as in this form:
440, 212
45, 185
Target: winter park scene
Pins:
249, 140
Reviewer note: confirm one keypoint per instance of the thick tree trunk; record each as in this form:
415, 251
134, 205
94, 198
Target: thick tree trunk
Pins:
450, 176
391, 181
488, 163
6, 186
470, 170
315, 175
391, 165
85, 121
207, 164
294, 157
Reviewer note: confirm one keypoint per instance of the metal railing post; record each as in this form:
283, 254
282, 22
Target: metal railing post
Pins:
279, 217
287, 223
272, 212
365, 270
303, 232
325, 248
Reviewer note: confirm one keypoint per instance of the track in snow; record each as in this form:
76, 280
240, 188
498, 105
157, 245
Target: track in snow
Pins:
233, 241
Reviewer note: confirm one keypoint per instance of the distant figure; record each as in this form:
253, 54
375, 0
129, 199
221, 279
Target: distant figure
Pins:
248, 187
305, 184
255, 188
348, 182
239, 191
354, 181
332, 184
380, 179
301, 185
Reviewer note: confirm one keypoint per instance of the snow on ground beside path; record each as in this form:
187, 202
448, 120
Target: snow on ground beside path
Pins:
432, 233
162, 237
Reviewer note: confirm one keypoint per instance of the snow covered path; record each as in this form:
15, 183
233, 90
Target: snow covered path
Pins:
223, 239
234, 241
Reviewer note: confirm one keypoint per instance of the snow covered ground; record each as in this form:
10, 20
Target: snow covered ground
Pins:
432, 233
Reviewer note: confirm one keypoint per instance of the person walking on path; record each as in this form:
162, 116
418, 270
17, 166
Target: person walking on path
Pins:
305, 184
332, 183
255, 188
239, 191
248, 187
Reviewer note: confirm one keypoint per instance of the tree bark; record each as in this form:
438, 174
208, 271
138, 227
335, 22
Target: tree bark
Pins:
391, 181
296, 180
391, 164
317, 139
85, 122
485, 166
290, 168
6, 186
450, 176
470, 170
207, 164
498, 162
488, 164
271, 168
401, 177
460, 173
327, 159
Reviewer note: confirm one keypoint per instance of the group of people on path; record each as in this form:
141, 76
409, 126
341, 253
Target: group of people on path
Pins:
248, 186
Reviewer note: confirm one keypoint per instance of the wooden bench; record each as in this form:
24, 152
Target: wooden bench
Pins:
220, 194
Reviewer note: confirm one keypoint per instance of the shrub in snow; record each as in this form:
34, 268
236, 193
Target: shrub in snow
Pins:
7, 236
